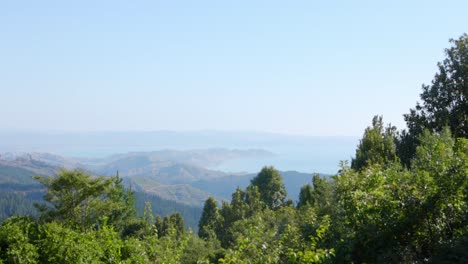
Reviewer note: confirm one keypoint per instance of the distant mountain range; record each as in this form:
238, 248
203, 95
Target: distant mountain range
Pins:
174, 179
21, 169
165, 166
292, 152
171, 174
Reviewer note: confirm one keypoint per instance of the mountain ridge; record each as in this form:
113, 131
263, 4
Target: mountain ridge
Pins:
170, 174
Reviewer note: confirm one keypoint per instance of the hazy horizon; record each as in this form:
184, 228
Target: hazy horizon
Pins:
301, 153
77, 131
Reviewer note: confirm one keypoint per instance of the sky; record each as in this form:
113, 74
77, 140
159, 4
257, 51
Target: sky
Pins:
318, 68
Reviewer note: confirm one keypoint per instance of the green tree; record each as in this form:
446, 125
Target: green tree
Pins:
318, 195
16, 245
158, 223
199, 251
238, 206
388, 213
230, 213
177, 222
441, 168
444, 101
306, 196
377, 146
253, 200
76, 198
370, 211
271, 187
275, 236
209, 220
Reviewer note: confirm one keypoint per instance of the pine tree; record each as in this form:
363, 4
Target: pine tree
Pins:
209, 220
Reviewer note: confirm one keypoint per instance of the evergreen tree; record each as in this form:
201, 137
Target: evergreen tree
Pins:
158, 223
209, 220
253, 200
271, 187
306, 196
177, 222
166, 227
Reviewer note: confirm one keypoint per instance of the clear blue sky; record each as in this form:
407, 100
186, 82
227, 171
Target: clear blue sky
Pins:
295, 67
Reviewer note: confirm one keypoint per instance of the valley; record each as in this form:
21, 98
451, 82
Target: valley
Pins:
173, 180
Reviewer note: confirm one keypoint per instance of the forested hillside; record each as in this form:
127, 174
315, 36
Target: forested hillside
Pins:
19, 191
171, 175
402, 199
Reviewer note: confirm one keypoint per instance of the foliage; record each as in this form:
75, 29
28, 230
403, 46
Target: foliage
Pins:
168, 249
201, 251
277, 237
80, 200
209, 219
163, 207
376, 211
134, 251
318, 195
23, 240
392, 214
444, 101
64, 245
15, 242
174, 222
370, 207
377, 146
270, 186
306, 196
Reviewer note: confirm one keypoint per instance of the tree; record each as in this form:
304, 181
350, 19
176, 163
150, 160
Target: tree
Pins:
441, 162
230, 213
275, 236
392, 214
253, 200
15, 240
306, 196
209, 219
271, 187
377, 146
318, 196
177, 222
158, 223
444, 101
76, 198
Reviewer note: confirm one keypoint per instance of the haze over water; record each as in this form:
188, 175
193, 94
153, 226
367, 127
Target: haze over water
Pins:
300, 153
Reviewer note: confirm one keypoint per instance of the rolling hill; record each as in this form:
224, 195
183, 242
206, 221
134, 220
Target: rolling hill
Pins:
176, 179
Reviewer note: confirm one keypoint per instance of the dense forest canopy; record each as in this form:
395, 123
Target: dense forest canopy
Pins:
404, 199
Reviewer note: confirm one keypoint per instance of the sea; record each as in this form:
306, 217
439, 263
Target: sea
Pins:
309, 154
